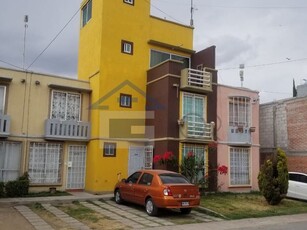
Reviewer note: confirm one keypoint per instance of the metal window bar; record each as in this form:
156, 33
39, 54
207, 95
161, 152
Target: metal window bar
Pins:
148, 157
239, 166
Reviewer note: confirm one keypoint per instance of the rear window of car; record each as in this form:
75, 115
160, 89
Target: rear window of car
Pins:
172, 178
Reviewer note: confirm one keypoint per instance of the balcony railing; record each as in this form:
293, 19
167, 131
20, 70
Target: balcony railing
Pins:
196, 130
239, 135
5, 122
196, 80
67, 130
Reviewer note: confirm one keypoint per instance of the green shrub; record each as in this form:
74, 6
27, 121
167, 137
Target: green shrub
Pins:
19, 187
273, 178
2, 194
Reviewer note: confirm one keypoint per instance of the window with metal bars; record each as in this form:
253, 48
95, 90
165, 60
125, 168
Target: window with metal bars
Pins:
148, 156
65, 106
45, 163
10, 158
239, 111
199, 151
239, 166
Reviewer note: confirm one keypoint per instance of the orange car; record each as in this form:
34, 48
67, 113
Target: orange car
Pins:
158, 189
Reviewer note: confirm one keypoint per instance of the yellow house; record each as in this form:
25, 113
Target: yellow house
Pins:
121, 44
44, 129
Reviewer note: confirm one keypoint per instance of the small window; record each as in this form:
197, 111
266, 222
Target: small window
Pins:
86, 12
125, 100
131, 2
2, 98
109, 149
127, 47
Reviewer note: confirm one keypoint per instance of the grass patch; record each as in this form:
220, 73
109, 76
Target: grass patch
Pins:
80, 212
250, 205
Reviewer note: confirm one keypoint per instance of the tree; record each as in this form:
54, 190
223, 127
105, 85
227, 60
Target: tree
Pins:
273, 178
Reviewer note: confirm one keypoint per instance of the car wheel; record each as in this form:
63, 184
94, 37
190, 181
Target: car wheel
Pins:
185, 210
117, 196
151, 208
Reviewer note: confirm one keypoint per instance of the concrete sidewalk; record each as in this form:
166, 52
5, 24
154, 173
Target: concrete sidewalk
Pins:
80, 196
265, 223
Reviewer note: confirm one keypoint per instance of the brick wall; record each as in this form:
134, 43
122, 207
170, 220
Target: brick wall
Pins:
288, 119
273, 119
297, 163
297, 124
266, 126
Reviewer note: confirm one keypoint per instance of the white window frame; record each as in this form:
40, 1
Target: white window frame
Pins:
197, 120
109, 149
130, 2
125, 100
239, 111
240, 174
65, 116
45, 163
2, 107
86, 14
7, 172
148, 157
127, 47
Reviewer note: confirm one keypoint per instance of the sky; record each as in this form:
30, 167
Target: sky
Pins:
268, 36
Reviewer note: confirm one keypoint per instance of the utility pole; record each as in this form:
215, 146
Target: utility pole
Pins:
26, 19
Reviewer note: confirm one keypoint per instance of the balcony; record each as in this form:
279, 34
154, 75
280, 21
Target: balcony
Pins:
5, 122
67, 130
239, 135
196, 131
196, 81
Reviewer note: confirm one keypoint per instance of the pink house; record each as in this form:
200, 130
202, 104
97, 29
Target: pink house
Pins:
238, 138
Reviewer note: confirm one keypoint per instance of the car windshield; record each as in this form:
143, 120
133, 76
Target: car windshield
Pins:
172, 178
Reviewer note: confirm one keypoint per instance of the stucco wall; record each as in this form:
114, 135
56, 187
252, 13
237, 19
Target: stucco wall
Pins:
224, 92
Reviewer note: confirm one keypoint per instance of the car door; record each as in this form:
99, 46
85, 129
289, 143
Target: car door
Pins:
143, 188
127, 191
293, 185
302, 187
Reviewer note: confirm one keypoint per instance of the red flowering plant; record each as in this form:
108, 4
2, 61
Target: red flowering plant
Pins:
192, 168
168, 160
222, 169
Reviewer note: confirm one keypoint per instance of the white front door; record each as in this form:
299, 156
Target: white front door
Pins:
76, 167
140, 157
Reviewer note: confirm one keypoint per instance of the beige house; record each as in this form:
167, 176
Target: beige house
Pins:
44, 129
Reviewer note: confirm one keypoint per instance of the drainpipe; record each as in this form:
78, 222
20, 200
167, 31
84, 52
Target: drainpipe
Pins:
274, 127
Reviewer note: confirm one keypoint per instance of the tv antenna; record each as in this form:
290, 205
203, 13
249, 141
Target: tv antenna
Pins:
241, 66
192, 12
26, 19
